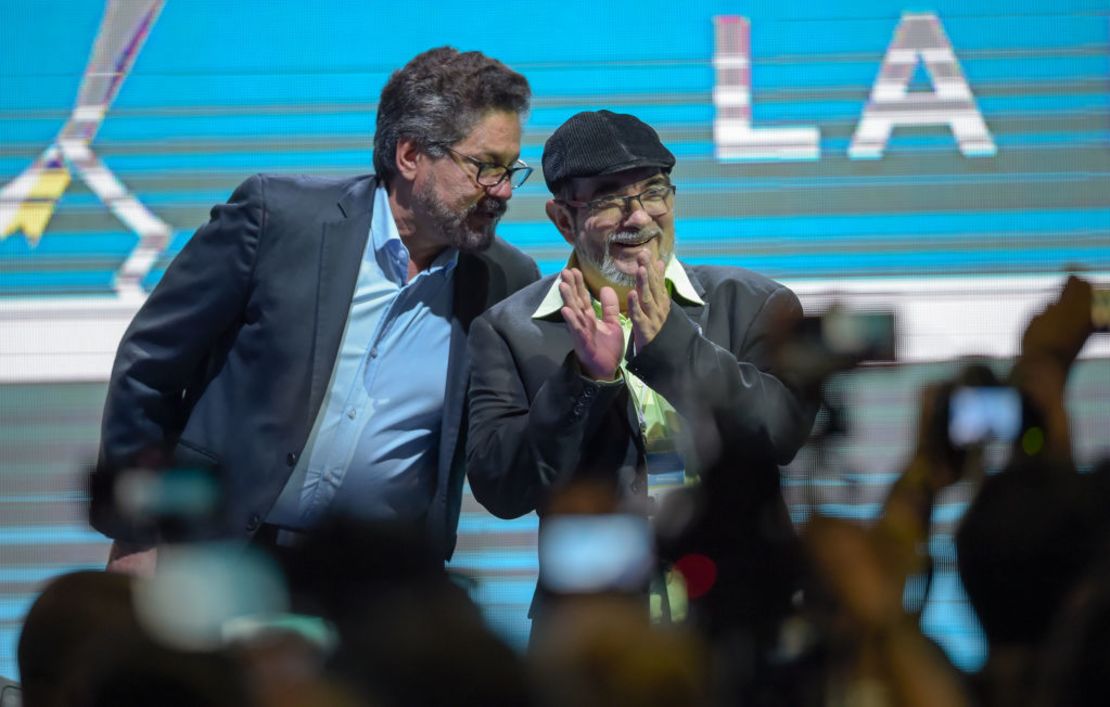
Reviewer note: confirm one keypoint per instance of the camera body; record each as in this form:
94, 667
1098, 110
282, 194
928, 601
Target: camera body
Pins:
819, 346
852, 335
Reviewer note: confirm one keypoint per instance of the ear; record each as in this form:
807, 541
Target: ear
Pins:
408, 156
563, 219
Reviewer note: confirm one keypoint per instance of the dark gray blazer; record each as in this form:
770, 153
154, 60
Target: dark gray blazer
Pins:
536, 422
229, 359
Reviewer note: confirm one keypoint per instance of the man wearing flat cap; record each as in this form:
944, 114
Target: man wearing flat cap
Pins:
607, 370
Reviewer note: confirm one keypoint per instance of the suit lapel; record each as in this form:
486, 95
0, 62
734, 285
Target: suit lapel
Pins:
471, 289
342, 245
470, 298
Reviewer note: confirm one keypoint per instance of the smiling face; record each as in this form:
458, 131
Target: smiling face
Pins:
448, 202
606, 242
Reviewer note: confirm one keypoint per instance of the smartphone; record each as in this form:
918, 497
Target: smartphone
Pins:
853, 335
1100, 309
585, 554
983, 414
868, 336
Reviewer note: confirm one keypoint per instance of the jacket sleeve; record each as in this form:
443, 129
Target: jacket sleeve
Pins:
199, 299
517, 449
735, 391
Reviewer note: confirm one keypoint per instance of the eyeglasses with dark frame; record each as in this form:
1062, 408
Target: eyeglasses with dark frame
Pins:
656, 200
490, 174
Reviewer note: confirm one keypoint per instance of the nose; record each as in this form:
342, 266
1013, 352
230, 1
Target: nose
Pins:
501, 190
637, 216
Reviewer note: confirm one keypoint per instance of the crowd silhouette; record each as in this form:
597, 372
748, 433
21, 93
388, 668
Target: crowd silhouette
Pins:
758, 610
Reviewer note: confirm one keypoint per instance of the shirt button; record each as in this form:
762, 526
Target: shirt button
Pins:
352, 413
374, 352
588, 392
253, 522
291, 459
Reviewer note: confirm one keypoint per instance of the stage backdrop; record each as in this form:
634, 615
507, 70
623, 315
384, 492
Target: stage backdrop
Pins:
944, 159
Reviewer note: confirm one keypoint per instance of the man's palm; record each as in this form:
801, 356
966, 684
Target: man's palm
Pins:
600, 352
598, 343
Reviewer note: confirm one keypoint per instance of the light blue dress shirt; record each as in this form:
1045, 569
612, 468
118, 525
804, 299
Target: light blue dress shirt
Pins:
373, 449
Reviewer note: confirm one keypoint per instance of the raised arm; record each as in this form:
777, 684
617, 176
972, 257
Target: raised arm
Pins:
516, 448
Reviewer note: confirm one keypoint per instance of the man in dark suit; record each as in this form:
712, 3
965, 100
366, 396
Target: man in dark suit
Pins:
628, 365
310, 340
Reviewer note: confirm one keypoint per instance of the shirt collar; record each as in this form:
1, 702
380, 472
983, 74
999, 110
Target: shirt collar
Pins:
678, 284
386, 241
383, 228
447, 260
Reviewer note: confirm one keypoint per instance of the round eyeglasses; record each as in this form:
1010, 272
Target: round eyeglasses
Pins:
607, 211
490, 174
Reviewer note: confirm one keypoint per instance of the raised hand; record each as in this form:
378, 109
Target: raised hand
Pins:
649, 303
598, 343
1049, 346
1059, 332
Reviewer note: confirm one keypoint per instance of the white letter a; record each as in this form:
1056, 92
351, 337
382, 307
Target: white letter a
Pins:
920, 37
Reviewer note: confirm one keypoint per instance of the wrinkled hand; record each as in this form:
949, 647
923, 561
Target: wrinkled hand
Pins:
648, 304
598, 343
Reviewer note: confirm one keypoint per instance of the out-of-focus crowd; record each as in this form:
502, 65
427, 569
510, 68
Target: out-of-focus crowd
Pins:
360, 613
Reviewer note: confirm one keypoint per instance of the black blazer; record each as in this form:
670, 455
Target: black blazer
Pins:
229, 359
536, 422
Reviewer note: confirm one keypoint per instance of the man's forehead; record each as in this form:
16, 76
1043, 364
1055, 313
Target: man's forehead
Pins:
496, 135
586, 188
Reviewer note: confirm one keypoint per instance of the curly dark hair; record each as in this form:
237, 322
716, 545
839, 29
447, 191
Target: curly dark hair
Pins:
438, 97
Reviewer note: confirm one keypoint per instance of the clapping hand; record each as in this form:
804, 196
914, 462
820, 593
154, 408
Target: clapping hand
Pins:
649, 303
598, 343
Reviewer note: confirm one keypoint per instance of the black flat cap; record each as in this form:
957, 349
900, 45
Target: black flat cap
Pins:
590, 144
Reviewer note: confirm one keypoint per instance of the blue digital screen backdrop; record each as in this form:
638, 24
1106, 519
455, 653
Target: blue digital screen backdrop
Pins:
949, 161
